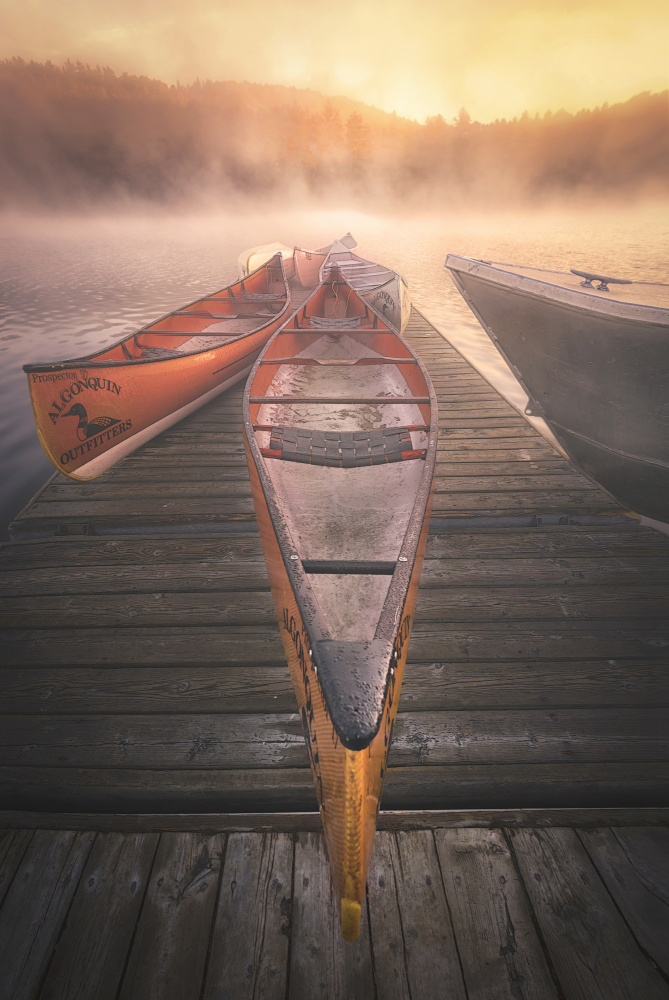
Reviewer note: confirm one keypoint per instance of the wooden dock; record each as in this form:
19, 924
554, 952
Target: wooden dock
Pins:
146, 704
464, 914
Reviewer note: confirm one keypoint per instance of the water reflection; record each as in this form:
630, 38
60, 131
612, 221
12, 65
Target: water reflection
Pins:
69, 287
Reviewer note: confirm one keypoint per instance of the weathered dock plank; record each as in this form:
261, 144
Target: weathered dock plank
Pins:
634, 865
558, 784
480, 912
169, 949
590, 944
91, 954
322, 966
500, 950
249, 944
193, 689
35, 906
231, 741
408, 869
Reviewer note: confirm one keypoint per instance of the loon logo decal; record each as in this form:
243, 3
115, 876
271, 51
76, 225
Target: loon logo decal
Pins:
89, 428
92, 433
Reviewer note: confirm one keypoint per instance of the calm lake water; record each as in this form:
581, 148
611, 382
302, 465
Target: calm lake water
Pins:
68, 287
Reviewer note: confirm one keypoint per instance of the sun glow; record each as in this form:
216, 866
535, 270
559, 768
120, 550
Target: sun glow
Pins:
497, 58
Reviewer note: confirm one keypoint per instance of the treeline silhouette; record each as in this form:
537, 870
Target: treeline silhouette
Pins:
77, 135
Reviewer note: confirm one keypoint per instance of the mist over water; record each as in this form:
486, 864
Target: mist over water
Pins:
71, 286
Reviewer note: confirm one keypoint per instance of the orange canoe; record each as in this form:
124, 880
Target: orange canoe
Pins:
90, 412
340, 423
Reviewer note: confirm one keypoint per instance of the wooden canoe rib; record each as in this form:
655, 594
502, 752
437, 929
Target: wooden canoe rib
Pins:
92, 411
340, 426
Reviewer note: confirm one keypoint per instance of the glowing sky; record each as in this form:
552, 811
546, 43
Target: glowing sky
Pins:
497, 58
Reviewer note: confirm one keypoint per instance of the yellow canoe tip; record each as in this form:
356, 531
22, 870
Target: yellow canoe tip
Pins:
350, 919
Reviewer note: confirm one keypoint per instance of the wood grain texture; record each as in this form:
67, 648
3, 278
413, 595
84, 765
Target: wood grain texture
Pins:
501, 954
634, 865
217, 607
249, 945
444, 567
390, 972
13, 845
591, 947
277, 740
473, 641
91, 953
169, 950
453, 786
580, 818
408, 866
426, 687
322, 965
35, 906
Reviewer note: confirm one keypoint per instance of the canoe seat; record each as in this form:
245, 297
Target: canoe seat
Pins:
335, 322
342, 449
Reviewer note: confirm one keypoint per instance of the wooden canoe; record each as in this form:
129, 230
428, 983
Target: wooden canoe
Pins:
340, 423
382, 288
92, 411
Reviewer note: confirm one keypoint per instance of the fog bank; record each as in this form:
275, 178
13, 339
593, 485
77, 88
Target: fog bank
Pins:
76, 137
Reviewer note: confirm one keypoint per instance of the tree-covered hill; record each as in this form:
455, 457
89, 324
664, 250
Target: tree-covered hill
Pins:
77, 135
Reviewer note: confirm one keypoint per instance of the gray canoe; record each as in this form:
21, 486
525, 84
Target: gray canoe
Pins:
592, 353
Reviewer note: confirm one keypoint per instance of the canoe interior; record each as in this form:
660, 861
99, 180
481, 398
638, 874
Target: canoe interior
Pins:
307, 265
212, 321
340, 425
334, 513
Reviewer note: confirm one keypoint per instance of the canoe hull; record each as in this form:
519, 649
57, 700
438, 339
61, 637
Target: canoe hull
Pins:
136, 405
597, 374
348, 783
383, 289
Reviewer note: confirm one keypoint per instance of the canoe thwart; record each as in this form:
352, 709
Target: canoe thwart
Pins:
406, 427
356, 567
252, 296
334, 322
